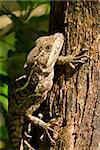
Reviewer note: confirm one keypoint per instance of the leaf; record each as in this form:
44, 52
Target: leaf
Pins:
3, 129
4, 101
43, 1
7, 43
27, 4
3, 132
4, 89
3, 68
2, 144
23, 4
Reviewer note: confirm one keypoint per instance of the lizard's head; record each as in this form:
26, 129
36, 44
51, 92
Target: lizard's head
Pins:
46, 51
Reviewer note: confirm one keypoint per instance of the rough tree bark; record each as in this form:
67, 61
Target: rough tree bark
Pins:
80, 91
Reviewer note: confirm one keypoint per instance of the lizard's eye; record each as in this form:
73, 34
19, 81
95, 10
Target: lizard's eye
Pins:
48, 48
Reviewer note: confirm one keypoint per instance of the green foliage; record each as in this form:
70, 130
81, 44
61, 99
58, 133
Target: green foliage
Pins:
25, 4
24, 26
14, 46
3, 97
6, 43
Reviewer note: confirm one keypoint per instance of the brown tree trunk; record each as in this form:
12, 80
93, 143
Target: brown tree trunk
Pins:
77, 95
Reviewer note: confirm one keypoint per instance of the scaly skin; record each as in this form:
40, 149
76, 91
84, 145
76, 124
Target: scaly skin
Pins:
43, 57
40, 61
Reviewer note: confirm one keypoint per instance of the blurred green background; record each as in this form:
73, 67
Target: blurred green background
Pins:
21, 23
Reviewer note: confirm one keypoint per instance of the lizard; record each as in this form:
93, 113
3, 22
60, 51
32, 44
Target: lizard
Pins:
41, 61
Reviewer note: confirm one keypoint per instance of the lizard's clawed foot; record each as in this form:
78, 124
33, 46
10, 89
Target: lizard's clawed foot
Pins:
81, 57
38, 122
73, 59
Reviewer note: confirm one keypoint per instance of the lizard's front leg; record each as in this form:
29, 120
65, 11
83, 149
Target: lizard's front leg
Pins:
81, 57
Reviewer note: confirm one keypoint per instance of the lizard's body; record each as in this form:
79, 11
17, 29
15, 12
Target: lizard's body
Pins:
43, 57
41, 61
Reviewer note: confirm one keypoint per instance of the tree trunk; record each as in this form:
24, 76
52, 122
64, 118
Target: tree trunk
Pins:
77, 95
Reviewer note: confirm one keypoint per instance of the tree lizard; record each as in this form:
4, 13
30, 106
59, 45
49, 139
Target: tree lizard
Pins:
27, 99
